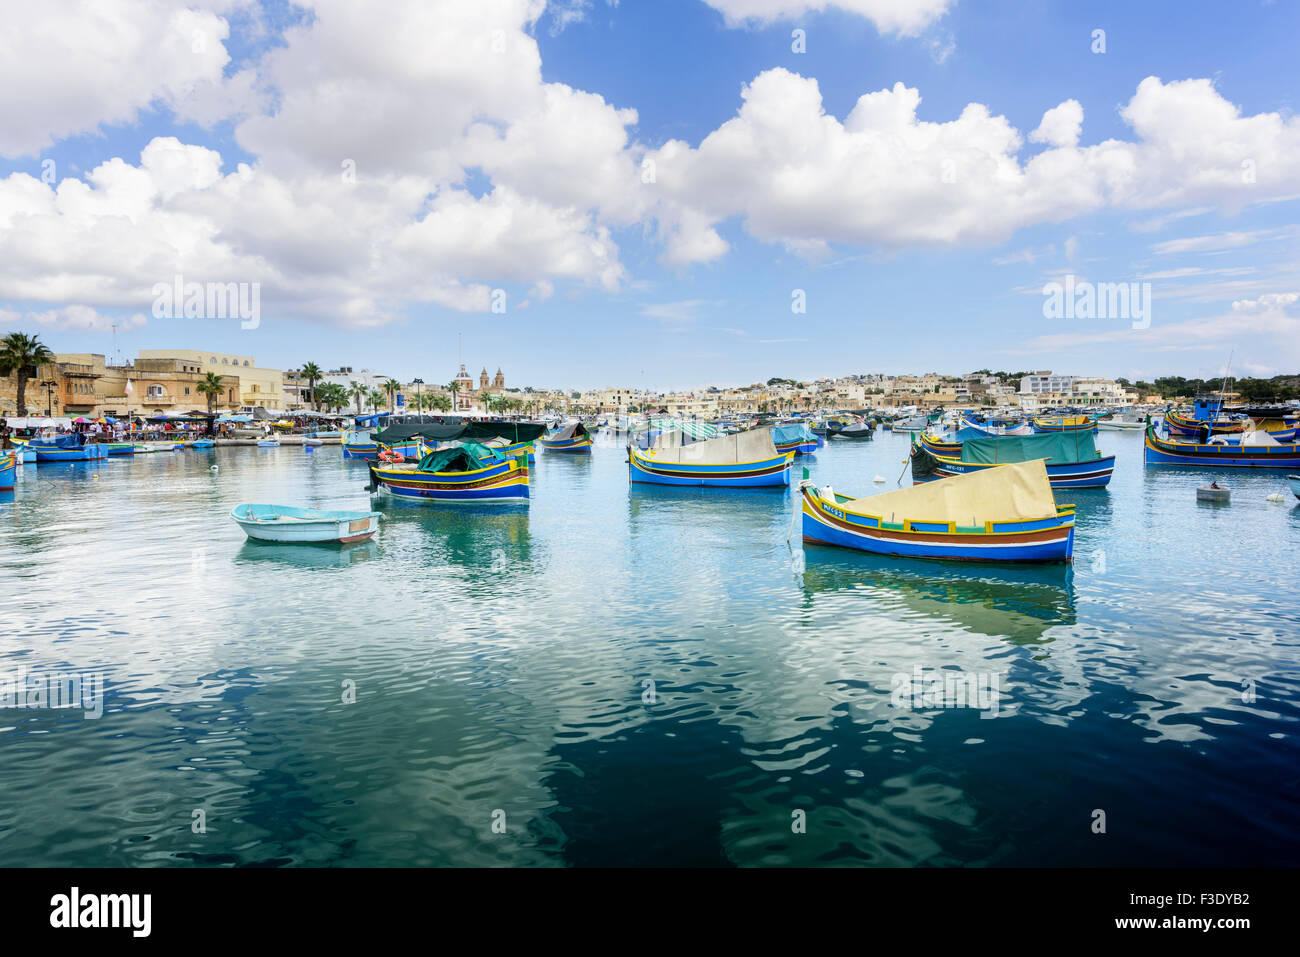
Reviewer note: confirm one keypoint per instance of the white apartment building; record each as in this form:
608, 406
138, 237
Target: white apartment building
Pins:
345, 376
1041, 382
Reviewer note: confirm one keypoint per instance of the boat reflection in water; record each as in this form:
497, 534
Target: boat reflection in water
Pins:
1016, 602
483, 540
309, 555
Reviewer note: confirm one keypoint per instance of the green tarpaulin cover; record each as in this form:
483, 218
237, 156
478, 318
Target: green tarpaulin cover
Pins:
460, 458
1059, 448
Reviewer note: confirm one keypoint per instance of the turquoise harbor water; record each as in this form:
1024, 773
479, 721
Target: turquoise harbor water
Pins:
641, 676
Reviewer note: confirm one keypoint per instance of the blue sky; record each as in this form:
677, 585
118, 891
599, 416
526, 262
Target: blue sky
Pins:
477, 174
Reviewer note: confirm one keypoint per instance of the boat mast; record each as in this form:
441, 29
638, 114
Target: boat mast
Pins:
1223, 384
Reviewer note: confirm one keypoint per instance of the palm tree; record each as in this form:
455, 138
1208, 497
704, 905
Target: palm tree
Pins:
376, 397
332, 395
311, 372
436, 401
210, 386
358, 392
23, 354
391, 387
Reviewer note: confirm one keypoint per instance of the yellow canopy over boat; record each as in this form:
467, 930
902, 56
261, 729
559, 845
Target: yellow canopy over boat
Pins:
1001, 493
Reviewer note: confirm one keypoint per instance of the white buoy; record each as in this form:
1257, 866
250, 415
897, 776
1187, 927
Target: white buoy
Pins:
214, 468
1277, 497
879, 478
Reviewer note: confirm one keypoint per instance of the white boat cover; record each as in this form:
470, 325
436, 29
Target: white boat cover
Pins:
1258, 437
1004, 493
754, 446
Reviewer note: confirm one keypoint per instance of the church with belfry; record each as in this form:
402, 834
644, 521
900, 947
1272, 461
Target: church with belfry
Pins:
466, 398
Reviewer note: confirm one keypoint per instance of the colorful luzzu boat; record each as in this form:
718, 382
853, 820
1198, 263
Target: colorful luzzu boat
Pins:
745, 460
1073, 459
1179, 423
995, 426
516, 449
1005, 514
1205, 420
67, 447
1249, 450
573, 438
359, 445
121, 448
1064, 423
1282, 430
8, 469
470, 473
797, 438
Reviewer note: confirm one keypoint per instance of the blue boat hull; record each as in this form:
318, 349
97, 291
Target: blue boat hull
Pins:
579, 446
1094, 474
767, 473
501, 482
1047, 540
87, 453
1162, 452
8, 470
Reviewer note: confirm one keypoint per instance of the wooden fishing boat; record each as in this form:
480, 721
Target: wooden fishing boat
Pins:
516, 449
1249, 450
1064, 423
1073, 459
1006, 514
268, 443
914, 423
289, 524
1179, 423
359, 445
940, 445
1128, 421
1205, 419
67, 447
8, 469
469, 473
120, 448
573, 438
1294, 482
414, 435
796, 438
1282, 429
209, 444
994, 426
858, 430
745, 460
